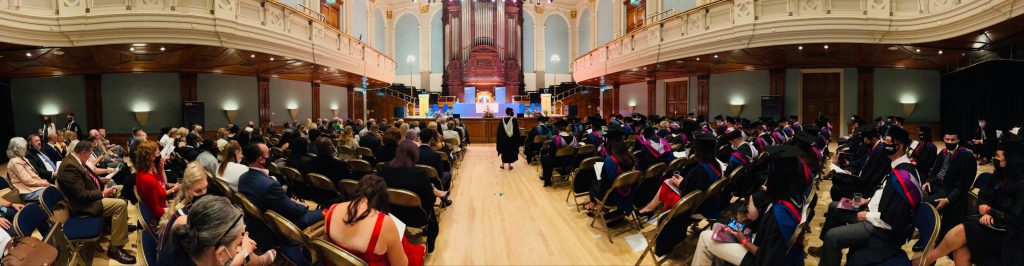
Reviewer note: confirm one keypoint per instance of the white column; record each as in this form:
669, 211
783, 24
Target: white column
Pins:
618, 19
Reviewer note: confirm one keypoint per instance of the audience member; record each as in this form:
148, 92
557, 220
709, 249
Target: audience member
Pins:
212, 234
24, 178
267, 194
231, 169
151, 180
402, 173
44, 166
364, 228
208, 157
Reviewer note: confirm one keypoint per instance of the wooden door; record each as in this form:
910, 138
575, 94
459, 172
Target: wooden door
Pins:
821, 98
635, 14
357, 104
607, 103
330, 11
676, 98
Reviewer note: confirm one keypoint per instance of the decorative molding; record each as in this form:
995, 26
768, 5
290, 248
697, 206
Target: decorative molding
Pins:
572, 14
538, 9
390, 14
424, 8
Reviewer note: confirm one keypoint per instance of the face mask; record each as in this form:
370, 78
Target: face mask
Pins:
981, 124
951, 146
889, 149
196, 198
232, 258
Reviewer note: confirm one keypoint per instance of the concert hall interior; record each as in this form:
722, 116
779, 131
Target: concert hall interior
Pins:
511, 132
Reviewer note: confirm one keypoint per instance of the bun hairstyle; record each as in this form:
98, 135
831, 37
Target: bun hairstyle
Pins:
209, 219
194, 172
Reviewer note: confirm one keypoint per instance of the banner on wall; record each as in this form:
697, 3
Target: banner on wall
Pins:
545, 104
424, 104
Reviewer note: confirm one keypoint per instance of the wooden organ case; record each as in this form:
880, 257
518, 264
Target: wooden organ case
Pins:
482, 47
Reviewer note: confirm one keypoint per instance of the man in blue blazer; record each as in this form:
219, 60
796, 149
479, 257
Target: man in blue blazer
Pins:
267, 194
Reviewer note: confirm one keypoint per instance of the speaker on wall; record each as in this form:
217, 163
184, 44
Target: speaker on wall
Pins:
399, 112
574, 110
194, 113
771, 106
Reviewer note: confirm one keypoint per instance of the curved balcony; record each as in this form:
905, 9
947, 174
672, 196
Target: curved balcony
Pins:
739, 24
266, 27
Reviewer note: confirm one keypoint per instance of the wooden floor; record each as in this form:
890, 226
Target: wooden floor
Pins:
503, 217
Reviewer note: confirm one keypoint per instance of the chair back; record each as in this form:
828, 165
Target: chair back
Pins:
677, 147
285, 228
403, 198
364, 152
716, 187
677, 164
588, 163
982, 180
274, 170
626, 179
248, 207
795, 238
926, 220
219, 186
586, 150
736, 172
5, 182
655, 171
682, 207
276, 152
346, 151
637, 153
348, 187
540, 139
359, 165
321, 182
29, 219
453, 142
565, 152
292, 175
335, 255
145, 216
429, 170
49, 200
380, 167
147, 244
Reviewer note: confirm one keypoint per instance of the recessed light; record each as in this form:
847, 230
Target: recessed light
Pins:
698, 58
252, 56
162, 49
940, 51
28, 54
918, 50
826, 46
138, 44
800, 47
716, 56
893, 48
271, 59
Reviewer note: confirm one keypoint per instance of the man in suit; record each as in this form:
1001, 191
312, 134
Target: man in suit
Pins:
984, 141
371, 139
44, 166
267, 194
73, 126
432, 158
52, 149
86, 195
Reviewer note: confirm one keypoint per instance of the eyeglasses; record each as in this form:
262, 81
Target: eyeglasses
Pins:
229, 228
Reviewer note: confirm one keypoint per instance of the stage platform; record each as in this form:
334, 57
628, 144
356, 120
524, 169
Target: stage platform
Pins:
482, 130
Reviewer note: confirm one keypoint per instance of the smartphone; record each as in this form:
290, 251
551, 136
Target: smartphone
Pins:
676, 173
736, 225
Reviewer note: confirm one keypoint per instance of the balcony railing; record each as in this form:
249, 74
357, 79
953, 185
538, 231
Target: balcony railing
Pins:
254, 25
727, 25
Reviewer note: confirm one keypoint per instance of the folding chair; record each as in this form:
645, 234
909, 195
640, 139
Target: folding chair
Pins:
685, 204
359, 167
586, 165
147, 248
77, 231
286, 229
335, 255
29, 219
562, 154
624, 180
347, 188
405, 198
927, 221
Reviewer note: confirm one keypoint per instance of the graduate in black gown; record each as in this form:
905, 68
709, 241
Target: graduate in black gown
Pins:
508, 139
950, 180
786, 188
992, 237
541, 129
883, 223
548, 161
699, 176
923, 152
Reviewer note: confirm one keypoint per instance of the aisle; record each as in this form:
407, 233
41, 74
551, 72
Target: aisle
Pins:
507, 217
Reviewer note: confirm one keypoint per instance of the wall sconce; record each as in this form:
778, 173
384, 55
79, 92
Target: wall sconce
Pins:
735, 109
231, 114
908, 108
334, 112
632, 106
141, 117
293, 112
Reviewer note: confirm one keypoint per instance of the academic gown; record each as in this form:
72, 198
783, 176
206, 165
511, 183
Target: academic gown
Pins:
923, 158
743, 156
900, 196
699, 177
548, 160
955, 186
531, 148
508, 147
989, 246
649, 156
775, 228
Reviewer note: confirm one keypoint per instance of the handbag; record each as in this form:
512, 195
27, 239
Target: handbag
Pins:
28, 251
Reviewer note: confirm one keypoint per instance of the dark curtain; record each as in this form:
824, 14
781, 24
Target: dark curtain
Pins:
990, 89
6, 117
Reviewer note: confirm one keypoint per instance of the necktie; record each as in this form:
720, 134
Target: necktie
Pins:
945, 166
53, 167
94, 179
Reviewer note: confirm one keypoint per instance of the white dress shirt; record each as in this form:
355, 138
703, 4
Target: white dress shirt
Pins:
874, 215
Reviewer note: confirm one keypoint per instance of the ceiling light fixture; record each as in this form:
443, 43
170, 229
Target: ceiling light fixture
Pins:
918, 50
252, 56
162, 49
826, 46
940, 51
28, 54
716, 56
271, 59
698, 58
800, 47
131, 49
138, 44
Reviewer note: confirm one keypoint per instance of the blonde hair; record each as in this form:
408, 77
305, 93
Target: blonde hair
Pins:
194, 172
229, 155
346, 135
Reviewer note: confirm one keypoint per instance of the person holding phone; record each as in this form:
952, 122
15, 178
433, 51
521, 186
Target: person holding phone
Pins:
772, 216
151, 180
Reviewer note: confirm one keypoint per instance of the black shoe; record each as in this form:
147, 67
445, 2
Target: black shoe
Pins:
118, 254
645, 215
132, 228
814, 251
919, 246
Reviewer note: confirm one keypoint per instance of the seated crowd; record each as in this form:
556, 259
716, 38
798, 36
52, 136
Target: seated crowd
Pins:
192, 187
755, 184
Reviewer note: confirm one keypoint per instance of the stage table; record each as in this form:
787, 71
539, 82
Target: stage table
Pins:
483, 130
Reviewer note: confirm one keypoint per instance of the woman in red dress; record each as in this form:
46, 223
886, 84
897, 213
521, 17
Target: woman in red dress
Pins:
364, 228
150, 179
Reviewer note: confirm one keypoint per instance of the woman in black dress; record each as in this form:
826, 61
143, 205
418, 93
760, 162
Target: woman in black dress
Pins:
508, 139
993, 237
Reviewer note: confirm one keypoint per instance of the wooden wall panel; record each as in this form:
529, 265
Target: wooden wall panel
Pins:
93, 102
866, 93
263, 91
189, 84
315, 90
702, 95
